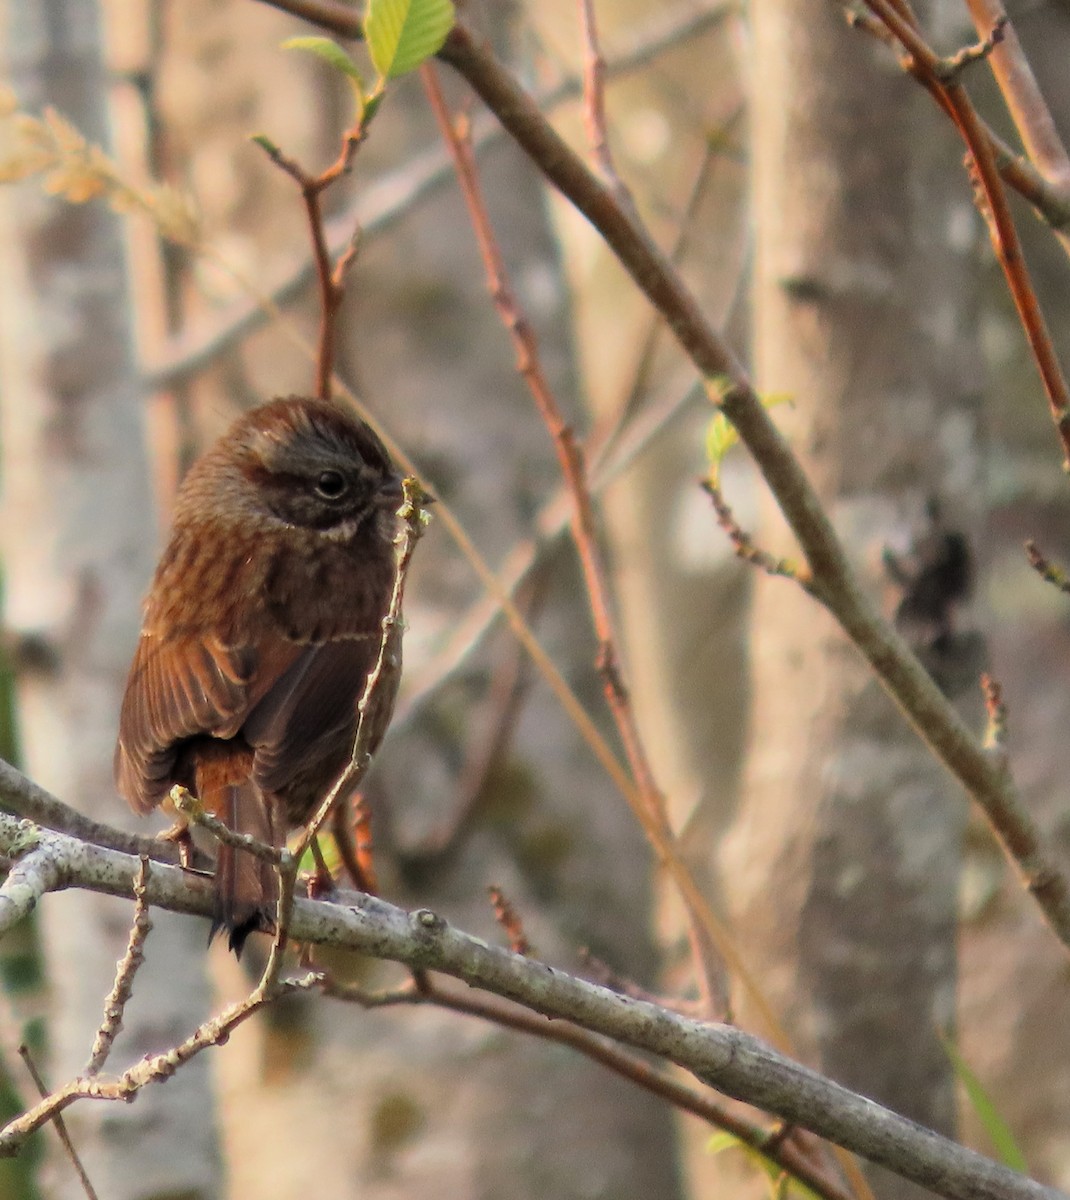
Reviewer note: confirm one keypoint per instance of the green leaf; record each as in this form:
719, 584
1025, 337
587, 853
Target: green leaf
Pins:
780, 1182
722, 1140
371, 105
721, 435
329, 51
265, 143
401, 34
999, 1133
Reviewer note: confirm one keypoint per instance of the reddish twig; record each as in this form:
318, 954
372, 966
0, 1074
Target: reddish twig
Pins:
330, 277
1021, 93
569, 452
646, 799
509, 919
996, 710
743, 543
940, 77
787, 1155
594, 103
1046, 569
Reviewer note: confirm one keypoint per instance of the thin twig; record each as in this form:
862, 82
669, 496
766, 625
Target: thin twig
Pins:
414, 520
330, 278
127, 968
194, 811
743, 543
931, 71
594, 103
644, 795
509, 919
1046, 569
952, 67
60, 1125
155, 1068
1031, 115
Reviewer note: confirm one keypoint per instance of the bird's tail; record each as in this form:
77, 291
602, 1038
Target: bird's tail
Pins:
246, 887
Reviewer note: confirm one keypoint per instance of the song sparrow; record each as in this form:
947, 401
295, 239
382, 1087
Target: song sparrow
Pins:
261, 626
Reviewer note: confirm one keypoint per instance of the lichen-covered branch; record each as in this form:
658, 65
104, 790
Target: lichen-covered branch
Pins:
727, 1059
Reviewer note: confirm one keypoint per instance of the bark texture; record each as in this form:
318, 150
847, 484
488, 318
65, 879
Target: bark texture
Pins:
843, 865
78, 546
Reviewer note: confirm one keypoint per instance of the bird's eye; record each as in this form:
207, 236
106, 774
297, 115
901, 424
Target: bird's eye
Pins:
331, 485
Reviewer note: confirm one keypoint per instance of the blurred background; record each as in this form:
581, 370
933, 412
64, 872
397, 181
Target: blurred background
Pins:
814, 199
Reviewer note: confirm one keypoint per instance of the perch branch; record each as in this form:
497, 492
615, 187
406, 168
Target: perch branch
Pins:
727, 1059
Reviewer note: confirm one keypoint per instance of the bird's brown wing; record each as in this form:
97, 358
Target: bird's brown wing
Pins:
180, 688
307, 718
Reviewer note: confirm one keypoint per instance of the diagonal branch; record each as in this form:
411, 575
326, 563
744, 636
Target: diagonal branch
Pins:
931, 71
835, 582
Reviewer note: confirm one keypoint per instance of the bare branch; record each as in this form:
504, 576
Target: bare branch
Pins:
727, 1059
127, 968
386, 200
60, 1124
155, 1068
24, 798
1021, 93
628, 1065
932, 72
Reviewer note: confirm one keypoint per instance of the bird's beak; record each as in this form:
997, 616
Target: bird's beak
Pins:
389, 494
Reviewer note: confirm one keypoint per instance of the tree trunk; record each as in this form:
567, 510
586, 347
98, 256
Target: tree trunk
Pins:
843, 866
79, 541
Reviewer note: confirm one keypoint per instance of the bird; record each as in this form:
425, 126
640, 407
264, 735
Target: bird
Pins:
261, 626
